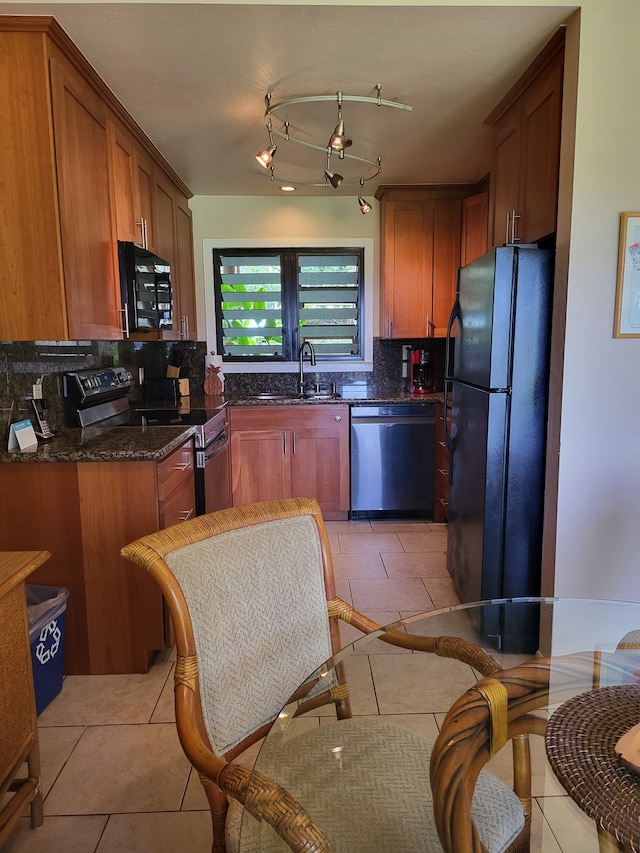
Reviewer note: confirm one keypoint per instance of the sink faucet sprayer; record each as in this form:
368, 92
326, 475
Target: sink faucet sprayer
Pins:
312, 361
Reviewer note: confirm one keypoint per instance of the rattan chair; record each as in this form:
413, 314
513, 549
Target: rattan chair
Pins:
507, 706
252, 599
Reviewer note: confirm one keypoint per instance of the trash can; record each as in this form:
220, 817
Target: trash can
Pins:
46, 610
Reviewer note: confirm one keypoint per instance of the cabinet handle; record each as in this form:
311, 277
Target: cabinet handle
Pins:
186, 514
293, 442
125, 316
184, 326
506, 233
430, 328
338, 418
442, 443
144, 239
284, 443
443, 472
514, 216
183, 466
443, 502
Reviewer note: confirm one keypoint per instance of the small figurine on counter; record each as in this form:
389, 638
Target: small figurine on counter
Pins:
214, 380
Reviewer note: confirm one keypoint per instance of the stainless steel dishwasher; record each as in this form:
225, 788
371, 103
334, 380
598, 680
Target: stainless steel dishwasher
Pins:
392, 460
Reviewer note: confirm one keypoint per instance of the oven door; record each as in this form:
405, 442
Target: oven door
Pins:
213, 475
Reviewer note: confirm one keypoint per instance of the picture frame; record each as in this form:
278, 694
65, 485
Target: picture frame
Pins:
627, 310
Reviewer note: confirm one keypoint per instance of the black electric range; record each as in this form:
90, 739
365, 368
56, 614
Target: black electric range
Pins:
101, 396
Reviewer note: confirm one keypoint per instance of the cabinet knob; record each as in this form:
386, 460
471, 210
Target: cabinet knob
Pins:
338, 418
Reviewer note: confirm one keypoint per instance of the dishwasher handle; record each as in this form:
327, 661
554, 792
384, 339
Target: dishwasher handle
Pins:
219, 443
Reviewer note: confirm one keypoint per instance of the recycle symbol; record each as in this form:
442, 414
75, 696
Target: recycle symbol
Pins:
45, 651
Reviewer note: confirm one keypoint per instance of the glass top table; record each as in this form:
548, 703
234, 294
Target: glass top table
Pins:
539, 653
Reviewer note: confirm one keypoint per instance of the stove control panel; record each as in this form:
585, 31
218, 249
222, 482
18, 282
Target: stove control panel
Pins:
86, 386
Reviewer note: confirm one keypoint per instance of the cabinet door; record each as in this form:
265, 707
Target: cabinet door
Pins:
185, 284
447, 218
260, 465
475, 213
121, 153
505, 177
407, 268
88, 242
320, 468
541, 113
33, 300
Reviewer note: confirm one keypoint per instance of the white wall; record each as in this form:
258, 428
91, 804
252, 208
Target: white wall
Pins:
598, 534
284, 221
598, 530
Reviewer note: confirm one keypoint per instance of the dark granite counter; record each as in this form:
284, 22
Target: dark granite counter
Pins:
102, 443
105, 444
370, 396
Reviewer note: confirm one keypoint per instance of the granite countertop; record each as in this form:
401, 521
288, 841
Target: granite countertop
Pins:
105, 444
102, 443
370, 396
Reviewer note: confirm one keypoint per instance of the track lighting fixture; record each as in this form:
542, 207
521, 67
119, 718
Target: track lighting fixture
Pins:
278, 123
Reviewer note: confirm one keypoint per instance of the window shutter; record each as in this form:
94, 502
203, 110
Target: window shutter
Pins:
329, 302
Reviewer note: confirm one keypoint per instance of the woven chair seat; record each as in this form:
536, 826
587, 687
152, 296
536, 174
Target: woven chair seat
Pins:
373, 796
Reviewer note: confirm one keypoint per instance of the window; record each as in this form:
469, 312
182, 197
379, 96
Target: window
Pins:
269, 300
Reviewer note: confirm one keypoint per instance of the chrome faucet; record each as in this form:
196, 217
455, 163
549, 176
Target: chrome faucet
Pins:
312, 361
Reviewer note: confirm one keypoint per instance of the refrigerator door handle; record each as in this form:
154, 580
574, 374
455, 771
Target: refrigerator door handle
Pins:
455, 315
448, 440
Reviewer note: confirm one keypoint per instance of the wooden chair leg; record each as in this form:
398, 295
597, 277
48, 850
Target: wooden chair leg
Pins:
218, 805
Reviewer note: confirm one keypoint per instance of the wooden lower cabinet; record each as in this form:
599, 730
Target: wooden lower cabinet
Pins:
84, 513
441, 506
291, 451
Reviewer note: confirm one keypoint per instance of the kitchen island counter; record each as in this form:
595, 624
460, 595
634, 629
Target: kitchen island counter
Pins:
105, 444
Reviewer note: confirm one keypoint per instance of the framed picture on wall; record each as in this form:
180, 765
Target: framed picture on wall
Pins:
627, 316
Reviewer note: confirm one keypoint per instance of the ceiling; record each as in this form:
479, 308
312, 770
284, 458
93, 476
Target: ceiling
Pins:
195, 79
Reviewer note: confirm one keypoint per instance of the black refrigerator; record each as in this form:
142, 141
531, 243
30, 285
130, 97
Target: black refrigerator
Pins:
497, 385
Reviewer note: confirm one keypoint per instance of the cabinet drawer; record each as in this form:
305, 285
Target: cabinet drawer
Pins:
173, 469
289, 417
180, 504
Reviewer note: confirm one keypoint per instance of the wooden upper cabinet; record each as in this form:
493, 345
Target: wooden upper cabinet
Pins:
95, 180
91, 281
57, 261
132, 178
421, 250
184, 271
524, 175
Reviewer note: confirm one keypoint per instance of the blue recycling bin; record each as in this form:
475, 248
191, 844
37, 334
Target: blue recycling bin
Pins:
46, 610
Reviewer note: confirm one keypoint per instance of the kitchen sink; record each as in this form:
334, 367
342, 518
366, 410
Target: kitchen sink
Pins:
308, 395
321, 395
275, 396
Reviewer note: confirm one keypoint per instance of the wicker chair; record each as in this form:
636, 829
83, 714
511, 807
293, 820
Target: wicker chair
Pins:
508, 706
252, 599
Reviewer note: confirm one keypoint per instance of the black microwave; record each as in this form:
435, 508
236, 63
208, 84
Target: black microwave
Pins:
145, 284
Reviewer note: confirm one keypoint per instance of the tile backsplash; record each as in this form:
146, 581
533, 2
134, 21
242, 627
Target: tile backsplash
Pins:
23, 363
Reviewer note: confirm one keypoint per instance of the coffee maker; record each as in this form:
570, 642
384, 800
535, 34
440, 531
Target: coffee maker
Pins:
422, 378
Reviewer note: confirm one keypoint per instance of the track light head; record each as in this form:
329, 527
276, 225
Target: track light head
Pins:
365, 207
334, 178
337, 140
265, 156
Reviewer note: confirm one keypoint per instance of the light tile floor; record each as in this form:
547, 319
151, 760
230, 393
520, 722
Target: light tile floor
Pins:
115, 777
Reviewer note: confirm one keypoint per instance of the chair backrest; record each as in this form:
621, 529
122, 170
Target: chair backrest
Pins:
247, 591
